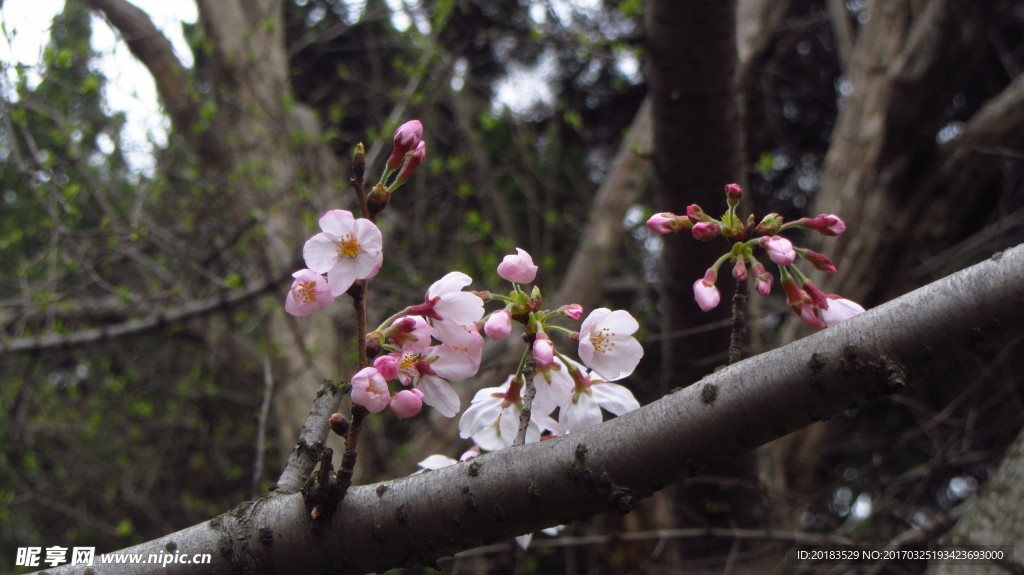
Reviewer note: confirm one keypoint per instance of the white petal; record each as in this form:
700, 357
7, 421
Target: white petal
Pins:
340, 278
621, 322
337, 222
615, 398
581, 414
460, 307
452, 282
437, 393
479, 415
321, 252
594, 317
618, 363
437, 461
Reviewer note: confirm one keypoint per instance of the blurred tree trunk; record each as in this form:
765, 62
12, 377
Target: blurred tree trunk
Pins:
697, 151
262, 150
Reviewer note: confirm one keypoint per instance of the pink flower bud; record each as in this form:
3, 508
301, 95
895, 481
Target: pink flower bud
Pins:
827, 224
413, 160
499, 325
696, 214
407, 137
739, 271
666, 223
705, 292
818, 297
518, 268
573, 310
764, 279
543, 351
819, 261
839, 309
733, 194
387, 366
705, 231
407, 403
780, 250
370, 390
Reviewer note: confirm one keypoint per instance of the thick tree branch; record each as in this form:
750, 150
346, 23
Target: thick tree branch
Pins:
420, 518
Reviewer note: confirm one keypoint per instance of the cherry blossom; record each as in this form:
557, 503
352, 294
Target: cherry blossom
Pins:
348, 249
430, 368
607, 345
309, 293
370, 390
591, 394
449, 310
518, 267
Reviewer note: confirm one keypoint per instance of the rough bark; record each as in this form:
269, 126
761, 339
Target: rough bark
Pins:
420, 518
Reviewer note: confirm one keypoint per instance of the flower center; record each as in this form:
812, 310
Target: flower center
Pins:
348, 247
409, 362
307, 291
601, 339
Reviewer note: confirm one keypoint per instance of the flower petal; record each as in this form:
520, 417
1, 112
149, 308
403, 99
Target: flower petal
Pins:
438, 393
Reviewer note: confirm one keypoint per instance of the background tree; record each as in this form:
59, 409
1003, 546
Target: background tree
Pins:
133, 306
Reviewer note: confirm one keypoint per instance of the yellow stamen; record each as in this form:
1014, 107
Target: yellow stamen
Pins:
602, 340
307, 291
348, 247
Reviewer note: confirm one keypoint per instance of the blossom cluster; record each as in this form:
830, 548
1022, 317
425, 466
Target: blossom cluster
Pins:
418, 352
814, 307
576, 391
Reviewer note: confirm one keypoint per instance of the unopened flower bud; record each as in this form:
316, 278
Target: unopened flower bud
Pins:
780, 250
764, 279
359, 162
407, 403
733, 194
739, 271
819, 261
696, 214
769, 226
667, 223
573, 310
407, 137
413, 160
499, 325
518, 268
543, 350
705, 231
826, 224
339, 424
705, 292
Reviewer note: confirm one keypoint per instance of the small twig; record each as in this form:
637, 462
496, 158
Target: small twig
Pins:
311, 440
739, 305
261, 427
529, 392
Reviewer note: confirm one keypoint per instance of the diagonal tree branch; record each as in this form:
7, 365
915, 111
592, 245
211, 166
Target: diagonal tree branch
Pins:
173, 81
608, 467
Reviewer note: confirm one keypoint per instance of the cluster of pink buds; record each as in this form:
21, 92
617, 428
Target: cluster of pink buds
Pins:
605, 343
408, 153
749, 240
